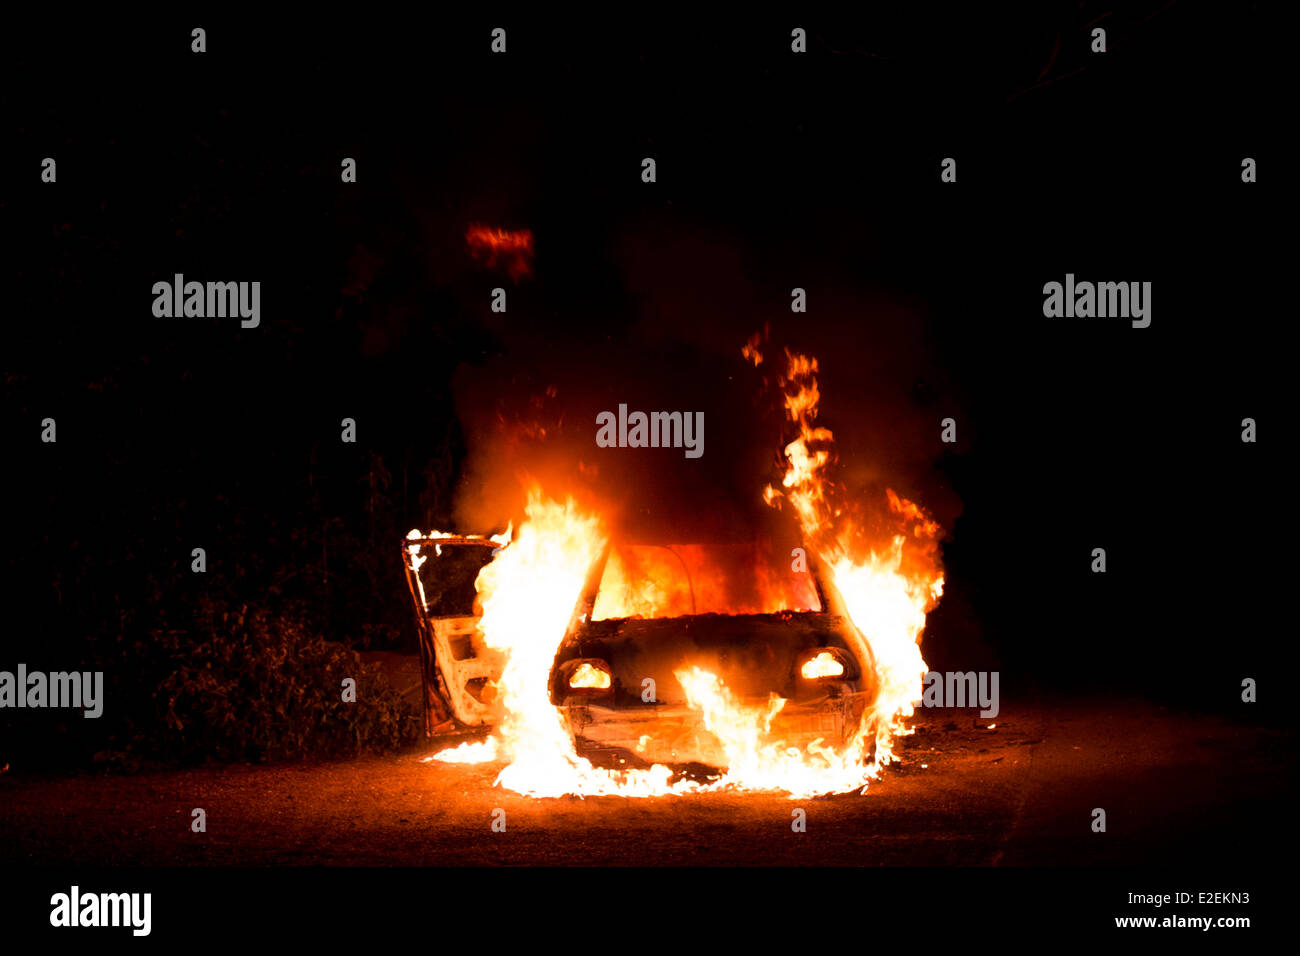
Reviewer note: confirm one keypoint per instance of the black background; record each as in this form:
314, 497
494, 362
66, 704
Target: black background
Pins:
818, 170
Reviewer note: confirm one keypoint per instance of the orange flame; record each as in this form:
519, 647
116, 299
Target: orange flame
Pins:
887, 588
648, 582
823, 665
513, 248
528, 593
587, 675
888, 584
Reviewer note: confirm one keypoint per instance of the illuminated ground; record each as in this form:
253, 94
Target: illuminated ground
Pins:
1020, 794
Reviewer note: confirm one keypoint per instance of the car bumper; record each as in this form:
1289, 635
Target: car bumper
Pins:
677, 734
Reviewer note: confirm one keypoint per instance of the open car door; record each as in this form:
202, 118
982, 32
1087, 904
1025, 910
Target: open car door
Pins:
460, 672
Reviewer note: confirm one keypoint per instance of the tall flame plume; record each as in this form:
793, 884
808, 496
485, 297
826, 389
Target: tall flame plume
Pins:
889, 580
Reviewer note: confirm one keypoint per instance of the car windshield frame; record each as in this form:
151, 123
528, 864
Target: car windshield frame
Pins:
717, 596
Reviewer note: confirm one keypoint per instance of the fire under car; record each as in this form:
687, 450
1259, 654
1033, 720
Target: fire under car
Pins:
646, 611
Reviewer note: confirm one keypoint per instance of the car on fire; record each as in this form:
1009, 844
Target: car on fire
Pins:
762, 623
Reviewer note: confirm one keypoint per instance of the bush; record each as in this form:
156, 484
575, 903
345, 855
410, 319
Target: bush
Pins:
253, 684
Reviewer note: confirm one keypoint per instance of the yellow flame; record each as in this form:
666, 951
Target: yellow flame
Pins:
585, 675
529, 591
887, 589
823, 665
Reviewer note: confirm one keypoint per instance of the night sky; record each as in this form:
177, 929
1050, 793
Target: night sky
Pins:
774, 170
1121, 693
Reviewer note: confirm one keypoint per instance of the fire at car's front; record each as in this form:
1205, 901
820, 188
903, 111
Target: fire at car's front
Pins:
737, 694
636, 691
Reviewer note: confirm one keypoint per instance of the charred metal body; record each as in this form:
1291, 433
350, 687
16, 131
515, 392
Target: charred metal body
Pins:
753, 655
456, 666
614, 680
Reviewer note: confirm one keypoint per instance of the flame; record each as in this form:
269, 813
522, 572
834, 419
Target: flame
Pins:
750, 349
887, 573
655, 581
585, 675
479, 751
888, 587
757, 762
513, 247
823, 665
528, 593
417, 536
418, 539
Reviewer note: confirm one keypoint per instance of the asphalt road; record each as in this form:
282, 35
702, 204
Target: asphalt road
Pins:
1177, 789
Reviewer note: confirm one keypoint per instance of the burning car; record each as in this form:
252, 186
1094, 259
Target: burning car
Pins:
615, 662
651, 622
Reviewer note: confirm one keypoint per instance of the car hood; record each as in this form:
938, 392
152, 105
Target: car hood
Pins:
753, 654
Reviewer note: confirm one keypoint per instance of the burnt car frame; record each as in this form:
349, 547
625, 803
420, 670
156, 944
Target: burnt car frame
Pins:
614, 677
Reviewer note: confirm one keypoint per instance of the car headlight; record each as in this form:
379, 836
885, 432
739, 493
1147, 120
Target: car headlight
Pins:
820, 665
589, 675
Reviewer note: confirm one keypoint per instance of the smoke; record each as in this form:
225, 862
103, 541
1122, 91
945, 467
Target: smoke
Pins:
533, 418
671, 341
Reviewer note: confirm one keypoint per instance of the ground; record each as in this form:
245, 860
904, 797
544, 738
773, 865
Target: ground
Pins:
1176, 788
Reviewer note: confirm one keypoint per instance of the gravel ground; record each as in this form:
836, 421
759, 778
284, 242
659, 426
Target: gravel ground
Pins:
1177, 788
